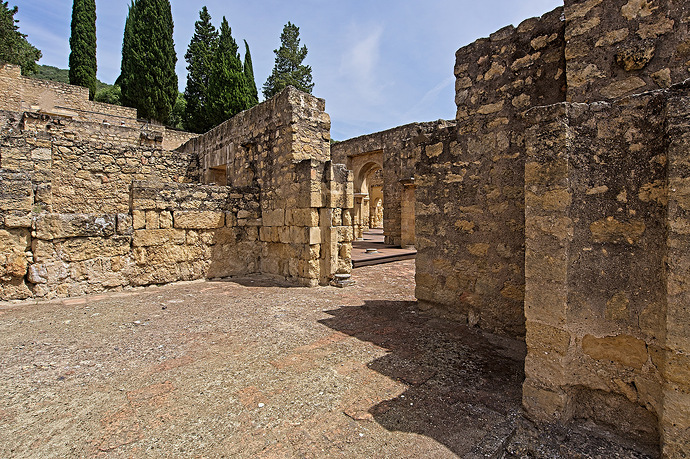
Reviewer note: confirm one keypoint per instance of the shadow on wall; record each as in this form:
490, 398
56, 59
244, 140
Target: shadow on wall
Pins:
463, 386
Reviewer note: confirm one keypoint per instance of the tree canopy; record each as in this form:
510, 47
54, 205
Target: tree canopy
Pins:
199, 57
82, 43
14, 48
288, 69
219, 85
147, 80
227, 89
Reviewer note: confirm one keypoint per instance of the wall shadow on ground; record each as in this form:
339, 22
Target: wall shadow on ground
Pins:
463, 386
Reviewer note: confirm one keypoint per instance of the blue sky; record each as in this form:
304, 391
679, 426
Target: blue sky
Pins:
378, 63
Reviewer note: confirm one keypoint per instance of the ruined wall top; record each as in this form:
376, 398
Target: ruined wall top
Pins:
87, 118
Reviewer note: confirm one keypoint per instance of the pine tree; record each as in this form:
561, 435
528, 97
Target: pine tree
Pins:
288, 69
147, 79
199, 58
14, 48
227, 89
82, 43
249, 76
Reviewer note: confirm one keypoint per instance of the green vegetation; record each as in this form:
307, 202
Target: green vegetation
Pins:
249, 76
82, 42
219, 85
199, 57
14, 48
227, 89
147, 79
288, 69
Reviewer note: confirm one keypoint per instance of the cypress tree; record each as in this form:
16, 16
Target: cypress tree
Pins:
14, 48
249, 77
227, 89
199, 57
82, 43
288, 69
147, 79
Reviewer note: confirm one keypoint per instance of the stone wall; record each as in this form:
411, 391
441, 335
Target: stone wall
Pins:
95, 120
622, 47
557, 209
396, 151
83, 210
282, 147
470, 184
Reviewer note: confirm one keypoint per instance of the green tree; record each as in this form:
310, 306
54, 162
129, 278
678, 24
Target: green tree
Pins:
14, 48
109, 95
227, 90
249, 76
288, 69
147, 79
82, 43
199, 57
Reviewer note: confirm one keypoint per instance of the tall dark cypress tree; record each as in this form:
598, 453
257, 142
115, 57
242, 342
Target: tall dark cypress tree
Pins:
82, 43
249, 76
147, 77
199, 57
227, 89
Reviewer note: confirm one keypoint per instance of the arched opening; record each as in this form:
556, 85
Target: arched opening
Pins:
368, 199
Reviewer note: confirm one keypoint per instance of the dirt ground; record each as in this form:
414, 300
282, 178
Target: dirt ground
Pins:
248, 368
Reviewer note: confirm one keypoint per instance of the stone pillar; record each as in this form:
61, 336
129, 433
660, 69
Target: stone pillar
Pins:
548, 231
407, 210
675, 419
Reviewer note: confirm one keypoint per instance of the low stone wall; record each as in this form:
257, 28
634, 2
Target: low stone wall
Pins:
70, 105
82, 213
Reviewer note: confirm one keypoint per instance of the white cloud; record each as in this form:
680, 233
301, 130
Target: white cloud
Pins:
359, 64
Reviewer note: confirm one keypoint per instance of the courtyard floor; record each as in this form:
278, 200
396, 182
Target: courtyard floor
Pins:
247, 368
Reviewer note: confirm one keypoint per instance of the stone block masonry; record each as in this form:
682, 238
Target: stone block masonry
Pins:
556, 210
83, 211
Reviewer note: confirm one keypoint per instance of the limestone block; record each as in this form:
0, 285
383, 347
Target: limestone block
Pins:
80, 249
273, 217
314, 235
60, 226
302, 217
14, 240
16, 289
124, 224
13, 264
146, 238
138, 219
621, 88
151, 219
543, 404
675, 423
623, 349
198, 220
21, 220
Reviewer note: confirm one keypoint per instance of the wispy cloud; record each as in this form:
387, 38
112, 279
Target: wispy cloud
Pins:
359, 63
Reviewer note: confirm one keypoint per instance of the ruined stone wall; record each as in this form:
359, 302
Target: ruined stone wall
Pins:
622, 47
399, 150
282, 147
82, 213
90, 120
470, 211
596, 245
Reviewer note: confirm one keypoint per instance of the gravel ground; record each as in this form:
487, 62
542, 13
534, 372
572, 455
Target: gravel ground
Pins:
248, 368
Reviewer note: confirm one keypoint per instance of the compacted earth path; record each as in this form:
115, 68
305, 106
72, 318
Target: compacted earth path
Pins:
248, 368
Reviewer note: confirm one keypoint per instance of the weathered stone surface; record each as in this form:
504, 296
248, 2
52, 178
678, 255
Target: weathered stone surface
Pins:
198, 220
158, 237
59, 226
622, 349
